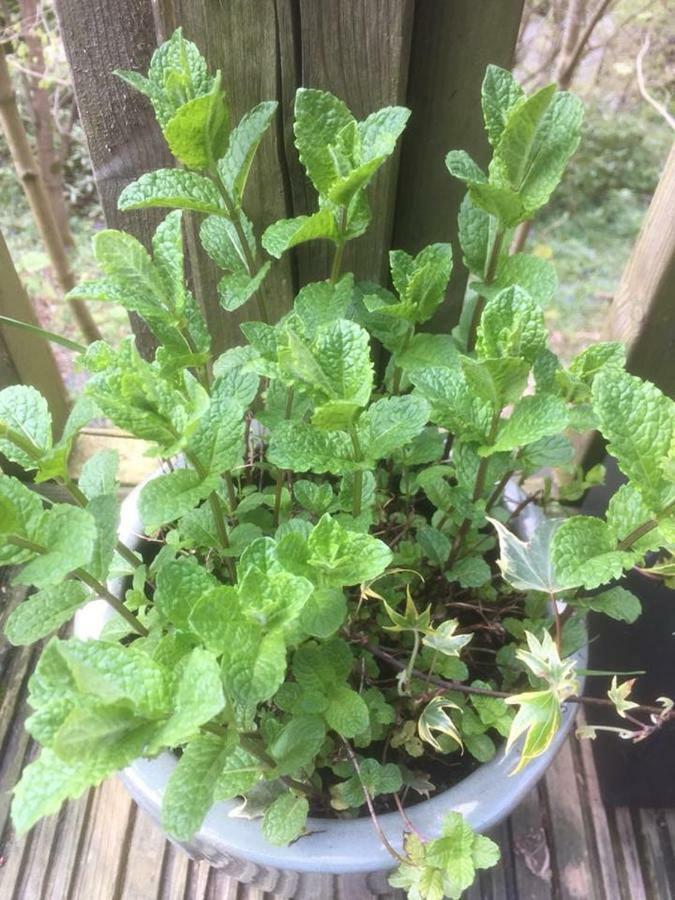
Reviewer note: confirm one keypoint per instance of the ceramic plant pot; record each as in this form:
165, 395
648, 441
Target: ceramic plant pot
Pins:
338, 858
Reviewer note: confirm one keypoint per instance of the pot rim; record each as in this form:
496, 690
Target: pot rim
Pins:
337, 846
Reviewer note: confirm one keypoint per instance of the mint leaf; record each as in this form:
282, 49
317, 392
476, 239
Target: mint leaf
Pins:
197, 133
512, 324
105, 512
302, 448
298, 743
44, 612
460, 165
218, 441
244, 141
534, 417
497, 381
180, 585
177, 71
284, 821
516, 148
377, 778
315, 498
474, 235
323, 613
46, 783
390, 423
319, 117
21, 513
241, 770
345, 557
500, 93
617, 603
66, 535
420, 282
198, 697
99, 474
25, 410
347, 713
638, 422
235, 289
584, 553
287, 233
254, 664
534, 275
168, 497
190, 789
626, 511
173, 188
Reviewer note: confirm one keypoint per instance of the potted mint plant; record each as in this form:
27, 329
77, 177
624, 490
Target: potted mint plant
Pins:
345, 604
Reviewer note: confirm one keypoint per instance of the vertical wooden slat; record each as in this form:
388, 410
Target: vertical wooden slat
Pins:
451, 46
643, 311
531, 853
143, 870
626, 849
358, 50
72, 822
123, 138
31, 356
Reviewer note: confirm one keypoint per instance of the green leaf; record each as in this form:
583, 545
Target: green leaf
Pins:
534, 275
197, 132
583, 552
323, 613
218, 442
67, 535
315, 498
44, 612
254, 664
168, 497
198, 697
241, 770
190, 789
287, 233
235, 289
167, 252
99, 474
21, 513
245, 139
345, 557
538, 718
25, 410
460, 165
534, 417
497, 381
180, 585
420, 282
106, 513
219, 238
174, 188
434, 544
474, 235
378, 779
46, 783
626, 512
638, 422
617, 603
303, 448
471, 572
347, 713
500, 93
587, 364
130, 271
298, 743
557, 139
319, 117
177, 71
519, 139
284, 821
390, 423
445, 641
512, 324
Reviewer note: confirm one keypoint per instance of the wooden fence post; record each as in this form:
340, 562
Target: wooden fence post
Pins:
428, 54
643, 312
32, 360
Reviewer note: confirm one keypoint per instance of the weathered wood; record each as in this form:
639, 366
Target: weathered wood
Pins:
123, 138
531, 852
451, 46
31, 357
643, 311
631, 878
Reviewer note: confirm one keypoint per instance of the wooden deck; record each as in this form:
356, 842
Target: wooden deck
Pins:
560, 844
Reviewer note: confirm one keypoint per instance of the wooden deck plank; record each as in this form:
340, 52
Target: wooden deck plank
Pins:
72, 822
145, 857
531, 852
573, 879
174, 874
631, 880
654, 871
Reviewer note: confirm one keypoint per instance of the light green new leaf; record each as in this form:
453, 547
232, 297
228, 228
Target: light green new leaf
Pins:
303, 448
105, 512
638, 422
44, 612
627, 511
241, 770
496, 381
323, 613
284, 821
584, 553
24, 410
287, 233
500, 92
514, 153
534, 275
174, 188
586, 365
218, 442
474, 235
190, 789
238, 287
21, 513
198, 130
460, 165
346, 557
180, 585
512, 324
254, 664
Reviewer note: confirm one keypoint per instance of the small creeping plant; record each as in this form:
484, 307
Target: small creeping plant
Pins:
325, 618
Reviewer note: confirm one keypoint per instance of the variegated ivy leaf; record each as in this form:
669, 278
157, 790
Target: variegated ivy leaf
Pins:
411, 619
445, 640
538, 718
619, 694
543, 660
527, 565
435, 718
